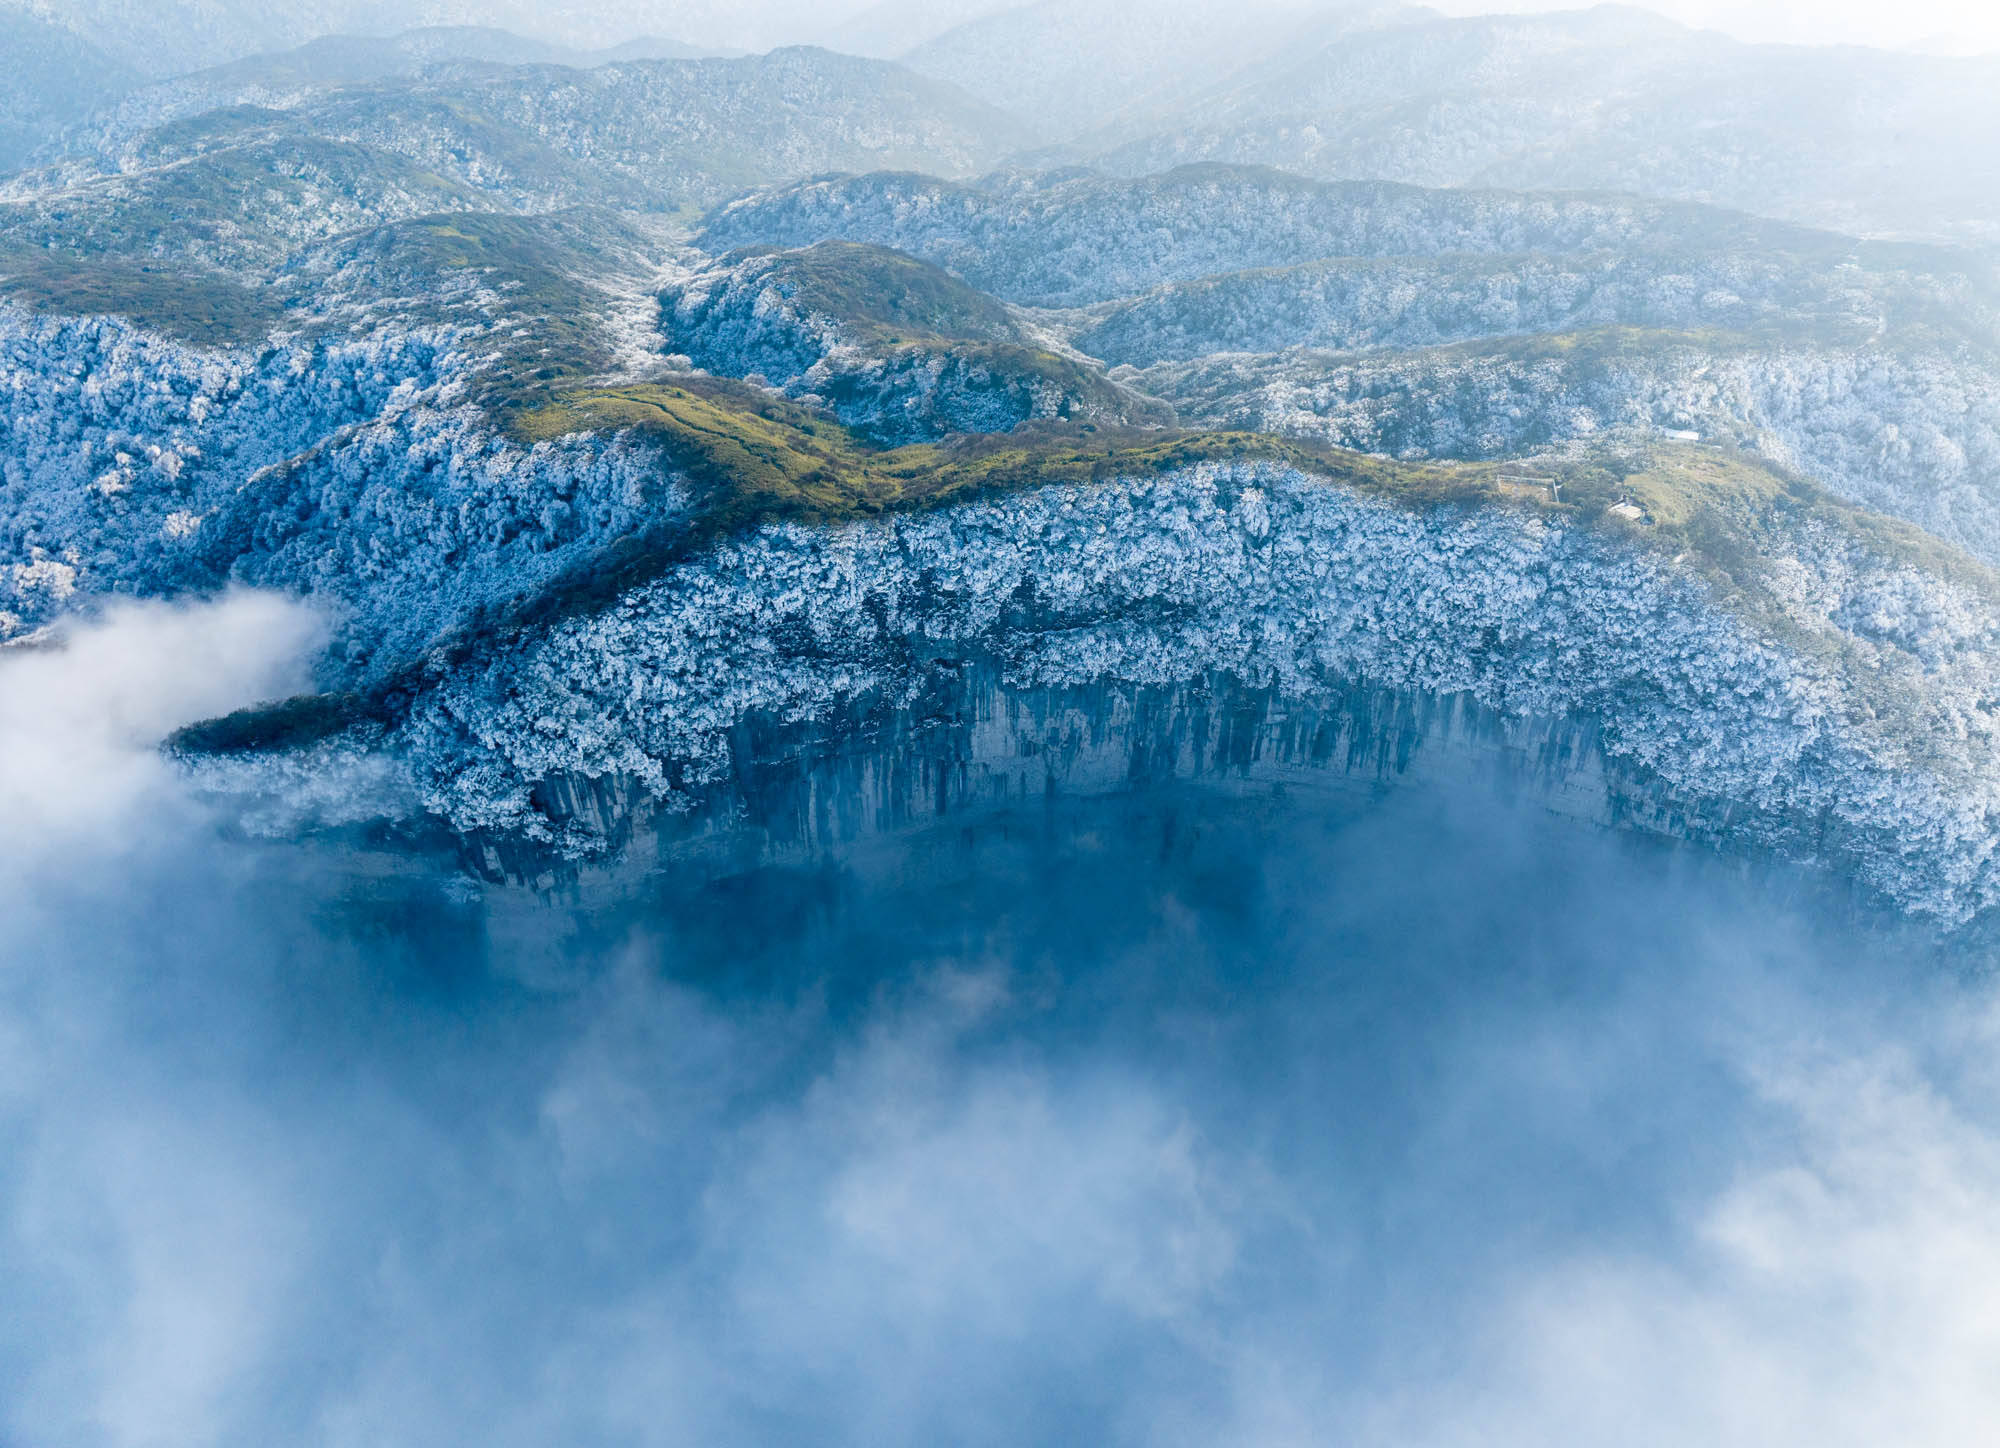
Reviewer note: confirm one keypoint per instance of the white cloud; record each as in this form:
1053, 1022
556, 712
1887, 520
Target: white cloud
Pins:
260, 1188
1842, 1290
183, 1213
82, 720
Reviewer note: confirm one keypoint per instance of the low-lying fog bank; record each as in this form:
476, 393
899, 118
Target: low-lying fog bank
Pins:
1179, 1115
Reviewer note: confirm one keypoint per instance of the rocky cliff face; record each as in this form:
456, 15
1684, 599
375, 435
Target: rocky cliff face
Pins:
964, 747
1842, 710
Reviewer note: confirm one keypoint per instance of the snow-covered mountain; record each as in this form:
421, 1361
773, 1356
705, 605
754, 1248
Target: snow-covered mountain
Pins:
1069, 239
245, 186
287, 79
619, 418
1255, 299
783, 746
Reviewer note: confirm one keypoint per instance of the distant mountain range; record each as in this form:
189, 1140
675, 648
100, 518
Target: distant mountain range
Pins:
891, 29
1611, 98
1070, 69
1869, 142
164, 38
244, 185
53, 78
1615, 99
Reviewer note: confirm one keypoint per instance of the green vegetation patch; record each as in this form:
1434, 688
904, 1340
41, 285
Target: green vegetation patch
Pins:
545, 323
756, 456
1727, 512
207, 310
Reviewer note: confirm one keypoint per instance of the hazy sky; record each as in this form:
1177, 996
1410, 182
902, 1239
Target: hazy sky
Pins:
1971, 24
1968, 26
1959, 25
